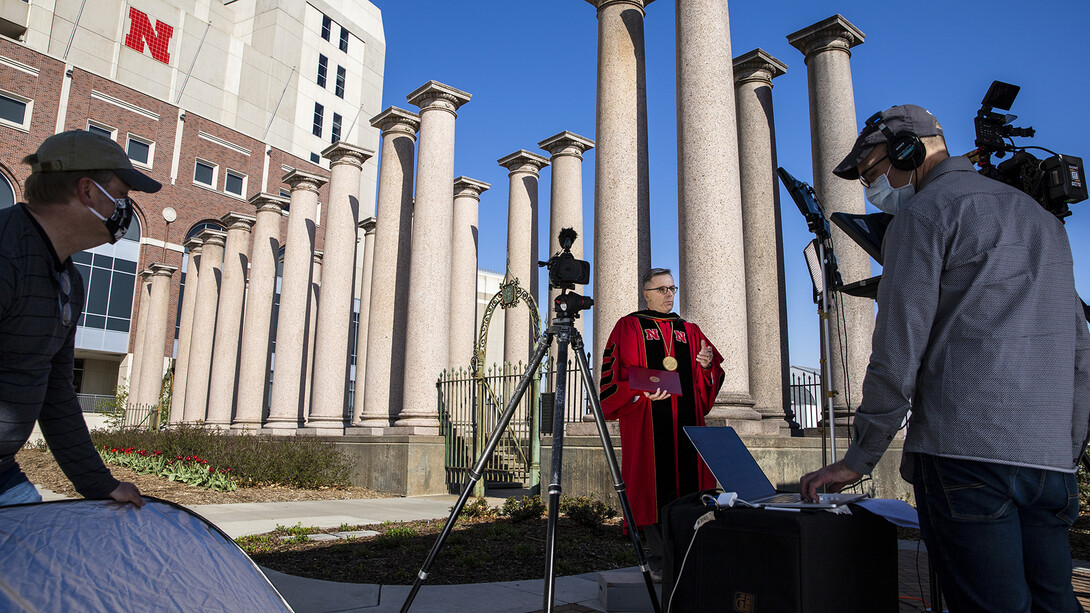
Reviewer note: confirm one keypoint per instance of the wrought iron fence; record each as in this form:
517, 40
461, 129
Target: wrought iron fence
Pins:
87, 402
806, 398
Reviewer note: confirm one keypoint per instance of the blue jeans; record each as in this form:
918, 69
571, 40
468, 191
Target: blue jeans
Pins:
17, 488
997, 534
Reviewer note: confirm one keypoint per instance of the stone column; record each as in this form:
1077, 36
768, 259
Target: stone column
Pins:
827, 47
766, 306
151, 372
622, 202
144, 287
711, 270
365, 274
222, 389
463, 271
185, 330
204, 324
327, 409
522, 252
427, 335
312, 324
289, 368
257, 326
566, 201
384, 378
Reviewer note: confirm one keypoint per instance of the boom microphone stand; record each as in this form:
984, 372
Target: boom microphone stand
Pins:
567, 307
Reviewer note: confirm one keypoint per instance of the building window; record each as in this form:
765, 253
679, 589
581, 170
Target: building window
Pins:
323, 65
319, 111
340, 82
109, 284
235, 183
140, 150
336, 136
7, 192
102, 129
344, 39
15, 111
327, 26
204, 173
314, 157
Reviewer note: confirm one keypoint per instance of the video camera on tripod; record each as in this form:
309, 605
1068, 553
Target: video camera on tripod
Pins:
565, 272
1055, 182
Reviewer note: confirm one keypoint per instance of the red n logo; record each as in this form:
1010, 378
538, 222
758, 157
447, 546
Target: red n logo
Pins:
140, 32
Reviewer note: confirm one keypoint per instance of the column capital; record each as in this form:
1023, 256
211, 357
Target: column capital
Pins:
464, 187
162, 270
601, 4
215, 238
238, 221
299, 179
395, 119
566, 143
523, 161
269, 202
436, 95
341, 152
144, 274
193, 245
757, 65
834, 33
367, 225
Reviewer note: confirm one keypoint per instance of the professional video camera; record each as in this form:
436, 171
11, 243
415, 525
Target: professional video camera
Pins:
565, 272
1054, 182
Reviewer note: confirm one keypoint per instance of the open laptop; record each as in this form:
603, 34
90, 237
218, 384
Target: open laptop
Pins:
736, 470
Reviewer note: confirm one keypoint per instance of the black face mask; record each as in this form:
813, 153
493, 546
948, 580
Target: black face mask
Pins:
118, 223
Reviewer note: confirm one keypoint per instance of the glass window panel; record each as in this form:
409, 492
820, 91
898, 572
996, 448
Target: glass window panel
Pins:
202, 173
233, 184
340, 81
121, 295
103, 261
133, 233
319, 112
93, 129
344, 40
94, 321
98, 291
139, 151
118, 325
323, 63
12, 110
82, 257
125, 265
327, 26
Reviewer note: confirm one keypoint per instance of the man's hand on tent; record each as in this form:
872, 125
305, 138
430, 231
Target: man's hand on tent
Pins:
127, 492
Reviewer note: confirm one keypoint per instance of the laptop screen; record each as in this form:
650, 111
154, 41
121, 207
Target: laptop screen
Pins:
730, 462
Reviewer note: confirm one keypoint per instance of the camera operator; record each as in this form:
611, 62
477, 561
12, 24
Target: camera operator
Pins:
981, 334
659, 463
77, 198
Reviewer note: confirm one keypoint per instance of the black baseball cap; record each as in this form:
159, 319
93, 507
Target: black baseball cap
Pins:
903, 118
83, 150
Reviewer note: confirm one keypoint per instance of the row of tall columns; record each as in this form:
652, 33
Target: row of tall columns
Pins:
622, 213
328, 413
766, 307
827, 46
427, 330
523, 172
463, 269
225, 351
384, 377
256, 346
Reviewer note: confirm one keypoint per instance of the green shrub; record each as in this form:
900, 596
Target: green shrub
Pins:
586, 511
523, 509
478, 507
254, 460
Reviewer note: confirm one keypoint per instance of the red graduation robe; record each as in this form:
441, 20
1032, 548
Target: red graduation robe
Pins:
658, 462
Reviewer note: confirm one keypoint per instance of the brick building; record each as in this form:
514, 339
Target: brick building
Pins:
204, 102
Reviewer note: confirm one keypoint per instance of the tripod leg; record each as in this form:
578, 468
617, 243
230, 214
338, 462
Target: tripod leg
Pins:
614, 469
478, 469
556, 465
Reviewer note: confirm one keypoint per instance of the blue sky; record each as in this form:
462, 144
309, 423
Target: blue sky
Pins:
531, 67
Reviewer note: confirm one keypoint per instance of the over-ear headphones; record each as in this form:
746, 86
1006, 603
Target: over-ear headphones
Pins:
906, 151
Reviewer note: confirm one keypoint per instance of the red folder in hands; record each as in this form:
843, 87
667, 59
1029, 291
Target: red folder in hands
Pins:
649, 380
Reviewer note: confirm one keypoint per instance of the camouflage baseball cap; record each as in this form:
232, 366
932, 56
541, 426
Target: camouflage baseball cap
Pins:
83, 150
906, 117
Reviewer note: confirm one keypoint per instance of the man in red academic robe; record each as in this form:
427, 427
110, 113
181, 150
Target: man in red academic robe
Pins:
658, 462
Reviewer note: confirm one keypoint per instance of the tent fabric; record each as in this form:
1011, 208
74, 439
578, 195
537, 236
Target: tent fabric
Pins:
98, 555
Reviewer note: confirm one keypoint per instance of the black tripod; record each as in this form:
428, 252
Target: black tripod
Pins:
563, 329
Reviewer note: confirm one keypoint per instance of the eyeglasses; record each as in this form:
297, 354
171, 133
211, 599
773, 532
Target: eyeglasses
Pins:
62, 300
862, 176
664, 290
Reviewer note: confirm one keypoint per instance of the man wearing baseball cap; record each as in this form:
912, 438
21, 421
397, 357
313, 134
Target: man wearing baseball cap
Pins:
981, 334
76, 198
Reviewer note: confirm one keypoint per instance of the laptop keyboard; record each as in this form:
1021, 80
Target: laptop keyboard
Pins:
781, 498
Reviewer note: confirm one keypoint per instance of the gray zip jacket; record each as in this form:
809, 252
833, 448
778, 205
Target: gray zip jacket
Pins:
979, 331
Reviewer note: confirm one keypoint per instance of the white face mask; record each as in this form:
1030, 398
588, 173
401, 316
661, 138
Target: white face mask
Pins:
887, 198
